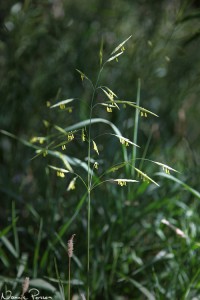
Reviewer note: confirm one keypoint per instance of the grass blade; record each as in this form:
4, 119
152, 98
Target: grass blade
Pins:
187, 187
16, 238
62, 231
140, 287
37, 249
93, 121
61, 288
8, 228
136, 123
42, 284
9, 246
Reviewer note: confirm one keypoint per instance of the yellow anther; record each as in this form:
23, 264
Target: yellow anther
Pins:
70, 137
96, 165
62, 106
83, 135
109, 109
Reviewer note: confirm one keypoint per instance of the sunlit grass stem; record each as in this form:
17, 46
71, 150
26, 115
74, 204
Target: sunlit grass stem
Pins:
135, 132
89, 185
69, 279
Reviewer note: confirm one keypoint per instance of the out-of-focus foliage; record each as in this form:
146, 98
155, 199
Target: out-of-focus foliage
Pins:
42, 43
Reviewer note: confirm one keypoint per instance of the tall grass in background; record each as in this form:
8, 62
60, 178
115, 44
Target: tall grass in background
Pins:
59, 139
86, 174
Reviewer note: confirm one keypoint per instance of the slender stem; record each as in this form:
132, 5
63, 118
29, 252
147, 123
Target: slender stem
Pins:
135, 133
89, 187
88, 246
69, 279
145, 151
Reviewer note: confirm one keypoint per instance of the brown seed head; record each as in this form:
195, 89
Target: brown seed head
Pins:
70, 246
25, 286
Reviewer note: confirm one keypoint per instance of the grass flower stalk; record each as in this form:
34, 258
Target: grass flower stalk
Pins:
25, 286
70, 249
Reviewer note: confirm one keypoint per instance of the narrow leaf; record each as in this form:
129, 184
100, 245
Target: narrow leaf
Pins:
37, 249
116, 167
42, 284
57, 154
60, 129
9, 246
61, 288
195, 15
22, 264
143, 289
66, 225
7, 229
93, 121
186, 186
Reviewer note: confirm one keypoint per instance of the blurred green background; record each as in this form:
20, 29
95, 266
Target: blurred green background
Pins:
134, 255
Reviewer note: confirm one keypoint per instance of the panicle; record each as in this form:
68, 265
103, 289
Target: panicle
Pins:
25, 286
70, 246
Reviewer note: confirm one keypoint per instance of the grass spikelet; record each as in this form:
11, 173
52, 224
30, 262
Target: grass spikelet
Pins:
71, 185
120, 46
125, 141
177, 230
122, 182
58, 169
62, 103
70, 246
145, 177
25, 286
95, 147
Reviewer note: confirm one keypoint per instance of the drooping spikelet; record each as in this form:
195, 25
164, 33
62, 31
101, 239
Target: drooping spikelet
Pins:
25, 286
70, 246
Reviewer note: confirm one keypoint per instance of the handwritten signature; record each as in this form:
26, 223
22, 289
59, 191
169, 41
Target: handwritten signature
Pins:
34, 294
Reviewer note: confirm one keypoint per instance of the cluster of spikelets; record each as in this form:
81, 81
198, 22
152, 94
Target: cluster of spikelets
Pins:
70, 246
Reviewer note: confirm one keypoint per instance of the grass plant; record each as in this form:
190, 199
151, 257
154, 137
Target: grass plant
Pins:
112, 103
86, 174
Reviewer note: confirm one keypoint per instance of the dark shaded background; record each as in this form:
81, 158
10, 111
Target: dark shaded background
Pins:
42, 43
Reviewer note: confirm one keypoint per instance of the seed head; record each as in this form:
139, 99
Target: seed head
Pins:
70, 246
25, 286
